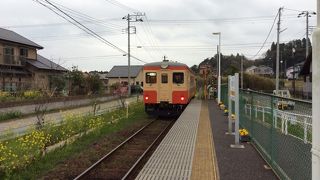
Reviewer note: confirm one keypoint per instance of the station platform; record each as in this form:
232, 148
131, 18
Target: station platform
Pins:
196, 147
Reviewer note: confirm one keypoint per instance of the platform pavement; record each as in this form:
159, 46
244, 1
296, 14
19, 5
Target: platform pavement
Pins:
237, 164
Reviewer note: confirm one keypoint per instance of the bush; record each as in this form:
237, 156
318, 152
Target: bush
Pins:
31, 94
4, 95
10, 115
17, 154
258, 83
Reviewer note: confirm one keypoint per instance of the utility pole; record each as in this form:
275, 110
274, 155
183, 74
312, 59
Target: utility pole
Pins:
315, 98
242, 72
131, 18
307, 34
217, 69
129, 73
307, 14
278, 51
219, 64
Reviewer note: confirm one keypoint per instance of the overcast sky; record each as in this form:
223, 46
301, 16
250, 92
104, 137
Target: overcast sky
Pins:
180, 29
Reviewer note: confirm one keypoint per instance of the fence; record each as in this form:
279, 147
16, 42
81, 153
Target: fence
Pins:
281, 130
224, 94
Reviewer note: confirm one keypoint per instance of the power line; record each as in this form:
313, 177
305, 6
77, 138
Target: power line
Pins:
253, 18
87, 57
58, 37
150, 41
55, 24
292, 9
87, 17
141, 43
156, 40
274, 21
80, 25
149, 21
122, 6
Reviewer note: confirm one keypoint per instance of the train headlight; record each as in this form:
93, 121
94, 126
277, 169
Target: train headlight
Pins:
146, 97
182, 98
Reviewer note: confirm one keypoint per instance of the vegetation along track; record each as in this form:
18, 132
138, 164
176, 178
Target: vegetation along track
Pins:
123, 161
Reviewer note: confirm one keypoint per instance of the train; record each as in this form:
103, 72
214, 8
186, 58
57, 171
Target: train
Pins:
168, 87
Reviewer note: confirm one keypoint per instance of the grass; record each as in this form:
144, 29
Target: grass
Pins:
49, 161
293, 129
10, 115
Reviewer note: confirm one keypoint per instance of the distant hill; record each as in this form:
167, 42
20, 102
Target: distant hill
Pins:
231, 63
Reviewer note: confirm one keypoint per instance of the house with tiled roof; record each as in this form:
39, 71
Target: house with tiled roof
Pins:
119, 74
21, 67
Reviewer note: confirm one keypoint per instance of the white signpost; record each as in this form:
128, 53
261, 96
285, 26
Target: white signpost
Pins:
315, 98
233, 94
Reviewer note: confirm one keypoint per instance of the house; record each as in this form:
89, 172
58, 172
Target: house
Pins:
260, 70
306, 72
21, 67
250, 70
119, 74
293, 71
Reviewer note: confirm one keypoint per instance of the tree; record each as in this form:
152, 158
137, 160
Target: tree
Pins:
195, 69
76, 81
94, 84
57, 83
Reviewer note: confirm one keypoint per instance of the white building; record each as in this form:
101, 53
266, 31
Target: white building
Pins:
261, 70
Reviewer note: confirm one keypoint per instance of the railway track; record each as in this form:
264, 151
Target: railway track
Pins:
124, 161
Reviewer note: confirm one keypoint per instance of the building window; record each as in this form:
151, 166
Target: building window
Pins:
137, 83
8, 51
178, 78
8, 55
151, 77
164, 78
23, 52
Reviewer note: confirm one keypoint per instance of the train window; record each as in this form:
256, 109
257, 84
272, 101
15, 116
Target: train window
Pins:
164, 78
151, 77
178, 78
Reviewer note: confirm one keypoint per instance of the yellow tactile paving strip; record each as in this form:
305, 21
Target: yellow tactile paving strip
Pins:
204, 165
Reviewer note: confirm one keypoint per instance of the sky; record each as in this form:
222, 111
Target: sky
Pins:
181, 30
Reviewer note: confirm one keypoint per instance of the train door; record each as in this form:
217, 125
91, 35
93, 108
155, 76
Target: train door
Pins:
165, 88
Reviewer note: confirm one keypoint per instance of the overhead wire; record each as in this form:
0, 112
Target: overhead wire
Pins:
150, 29
142, 44
87, 57
263, 44
148, 37
70, 36
147, 29
122, 6
81, 26
88, 18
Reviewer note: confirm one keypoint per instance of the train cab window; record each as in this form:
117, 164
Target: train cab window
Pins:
151, 77
164, 78
178, 78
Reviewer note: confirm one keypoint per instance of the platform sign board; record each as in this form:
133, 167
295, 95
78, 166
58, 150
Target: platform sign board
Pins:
233, 86
232, 92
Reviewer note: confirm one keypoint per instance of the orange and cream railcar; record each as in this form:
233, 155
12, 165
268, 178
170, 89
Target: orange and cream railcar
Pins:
168, 87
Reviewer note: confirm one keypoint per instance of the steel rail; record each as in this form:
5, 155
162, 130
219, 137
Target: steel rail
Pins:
111, 152
131, 170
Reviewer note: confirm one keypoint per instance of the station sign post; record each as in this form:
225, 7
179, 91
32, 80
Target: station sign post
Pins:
233, 96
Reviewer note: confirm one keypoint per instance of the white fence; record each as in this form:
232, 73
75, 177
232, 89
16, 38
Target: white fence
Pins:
282, 120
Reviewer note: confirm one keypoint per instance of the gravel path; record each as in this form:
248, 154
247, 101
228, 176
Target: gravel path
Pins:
22, 124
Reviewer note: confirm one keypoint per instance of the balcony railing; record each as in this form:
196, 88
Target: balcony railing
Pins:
12, 60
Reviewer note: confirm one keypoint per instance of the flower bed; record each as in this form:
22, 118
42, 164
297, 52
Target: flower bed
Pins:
244, 135
18, 153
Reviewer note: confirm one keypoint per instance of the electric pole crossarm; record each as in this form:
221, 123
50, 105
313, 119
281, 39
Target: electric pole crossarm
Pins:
307, 14
136, 18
